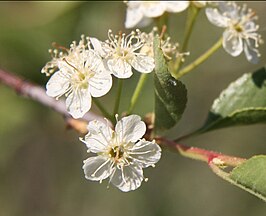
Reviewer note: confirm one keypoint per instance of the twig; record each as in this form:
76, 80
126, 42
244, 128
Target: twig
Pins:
202, 154
37, 93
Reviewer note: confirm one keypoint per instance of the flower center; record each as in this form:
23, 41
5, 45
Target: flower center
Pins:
122, 52
117, 152
122, 49
80, 79
81, 76
238, 27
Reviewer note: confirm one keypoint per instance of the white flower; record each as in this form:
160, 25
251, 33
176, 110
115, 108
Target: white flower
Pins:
81, 74
240, 29
140, 13
121, 154
121, 54
169, 50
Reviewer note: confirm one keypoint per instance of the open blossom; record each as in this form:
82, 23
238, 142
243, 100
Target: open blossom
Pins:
169, 50
121, 154
240, 29
121, 53
140, 13
80, 74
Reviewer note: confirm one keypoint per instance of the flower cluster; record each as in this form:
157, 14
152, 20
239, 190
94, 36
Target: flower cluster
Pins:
84, 70
121, 154
240, 29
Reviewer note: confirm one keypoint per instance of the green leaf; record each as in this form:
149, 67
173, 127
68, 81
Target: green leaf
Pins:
242, 103
170, 94
251, 176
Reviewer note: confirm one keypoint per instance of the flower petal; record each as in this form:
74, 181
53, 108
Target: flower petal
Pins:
229, 8
120, 68
94, 62
145, 153
216, 18
78, 102
97, 46
127, 178
232, 43
250, 27
251, 52
153, 9
145, 21
143, 63
130, 128
134, 14
98, 137
97, 168
57, 84
100, 84
176, 6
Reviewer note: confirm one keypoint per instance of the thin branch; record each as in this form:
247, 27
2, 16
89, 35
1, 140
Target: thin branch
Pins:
201, 154
37, 93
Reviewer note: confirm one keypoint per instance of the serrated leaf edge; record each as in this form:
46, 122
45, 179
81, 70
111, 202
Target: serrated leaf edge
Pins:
235, 182
226, 176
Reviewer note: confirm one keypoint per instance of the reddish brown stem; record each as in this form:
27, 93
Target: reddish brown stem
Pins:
201, 154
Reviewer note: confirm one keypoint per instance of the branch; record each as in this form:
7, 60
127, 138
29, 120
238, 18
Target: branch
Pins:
37, 93
201, 154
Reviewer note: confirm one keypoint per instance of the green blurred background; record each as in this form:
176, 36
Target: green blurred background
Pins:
40, 160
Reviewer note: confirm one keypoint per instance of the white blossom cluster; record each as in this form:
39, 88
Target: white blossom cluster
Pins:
84, 71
